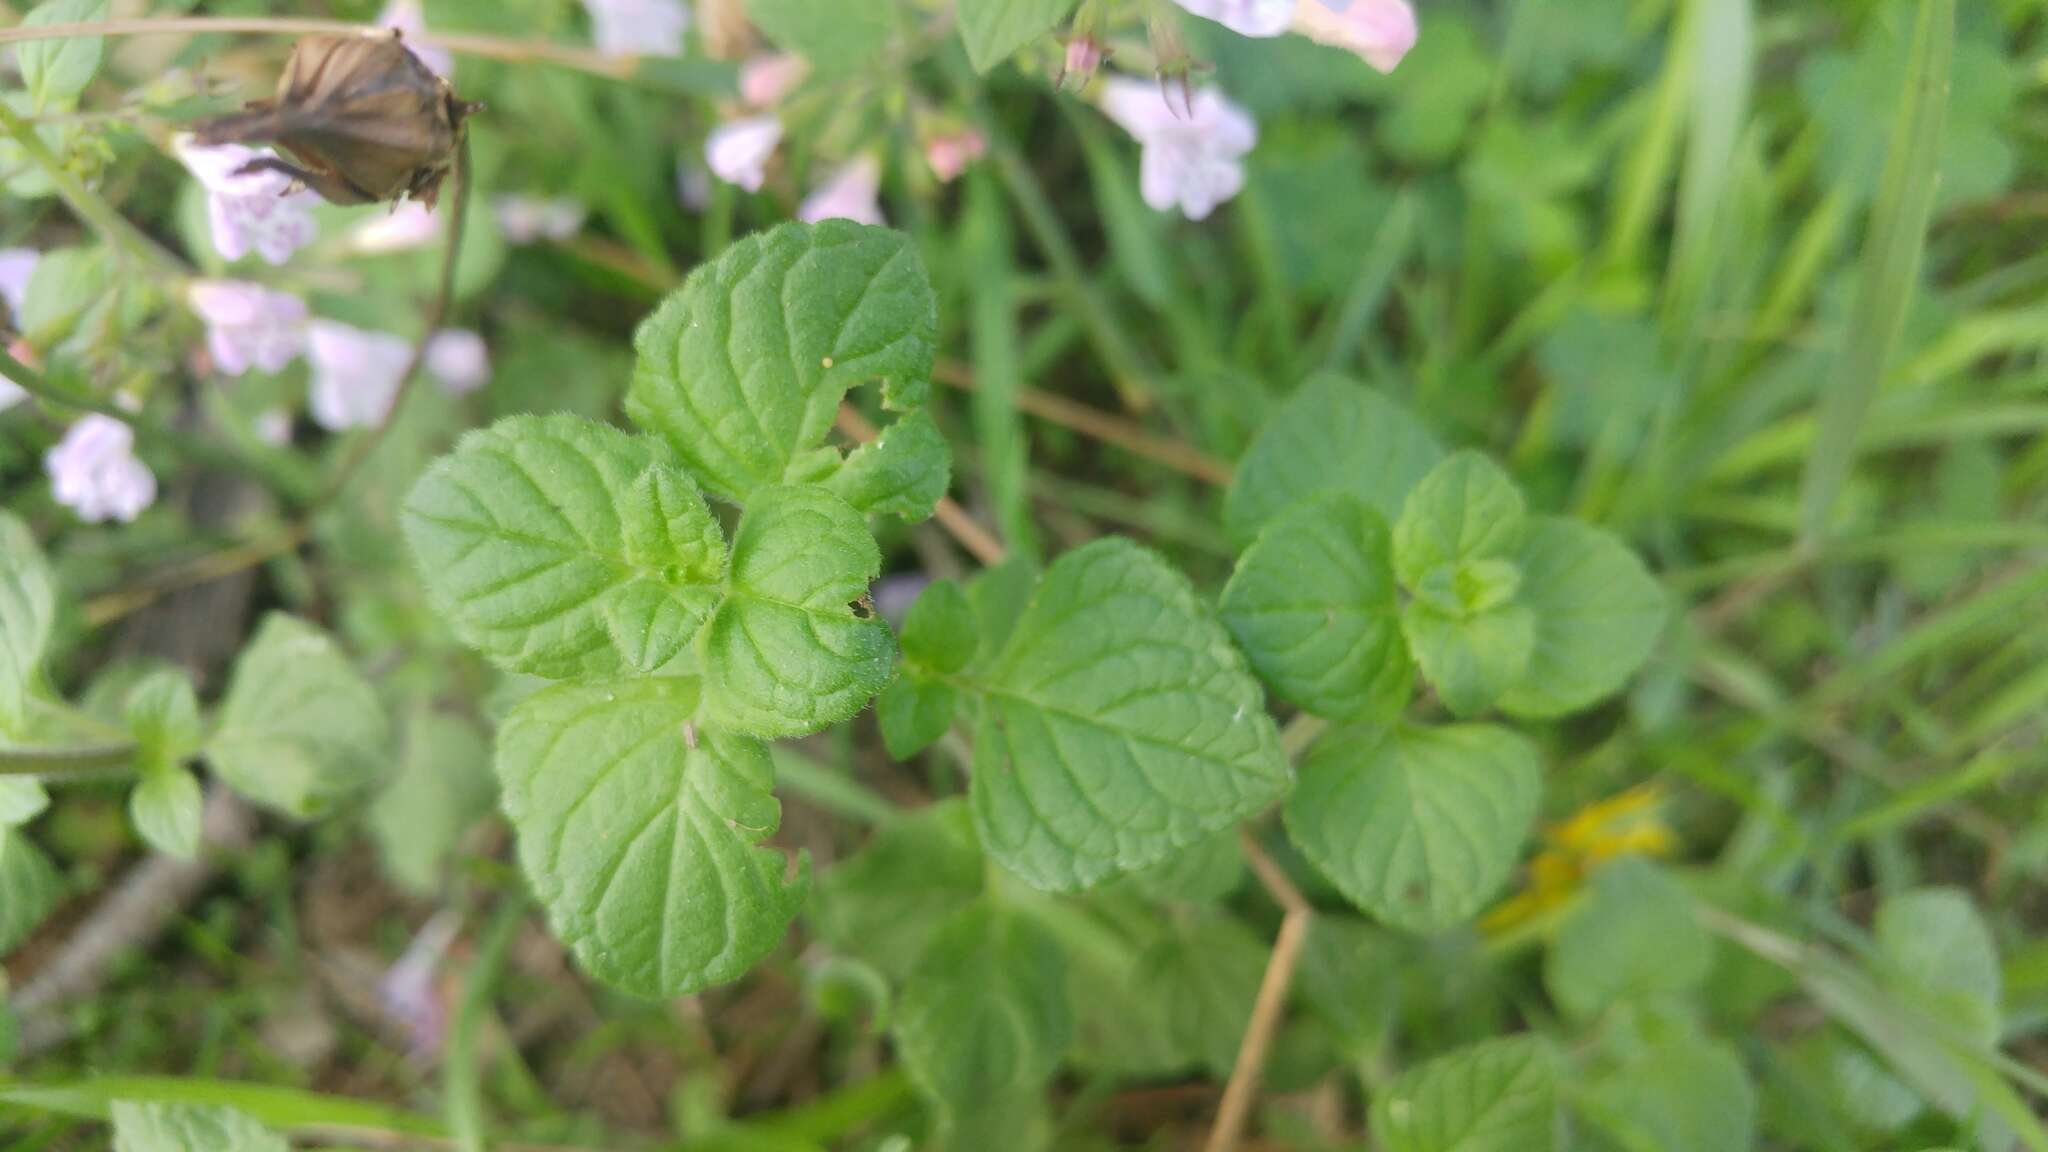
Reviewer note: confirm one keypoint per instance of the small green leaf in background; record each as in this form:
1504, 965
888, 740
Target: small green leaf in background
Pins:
1348, 969
994, 29
28, 608
1417, 826
29, 887
1314, 606
1500, 1096
56, 71
941, 633
903, 473
67, 283
832, 34
886, 902
914, 712
1464, 513
163, 716
1599, 614
1634, 937
786, 654
1118, 725
167, 1127
442, 787
1681, 1094
1205, 872
1336, 435
643, 836
743, 368
562, 547
1470, 661
1938, 947
299, 729
1209, 968
22, 799
983, 1021
166, 806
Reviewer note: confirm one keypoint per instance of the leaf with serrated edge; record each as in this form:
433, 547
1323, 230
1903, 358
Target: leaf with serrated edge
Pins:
984, 1018
1333, 435
1470, 662
1314, 605
300, 728
1500, 1096
1118, 725
742, 370
993, 30
565, 548
902, 473
28, 607
1417, 826
642, 836
1599, 614
786, 654
163, 1126
1464, 511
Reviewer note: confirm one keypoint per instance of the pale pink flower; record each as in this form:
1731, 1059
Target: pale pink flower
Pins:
1381, 31
458, 359
638, 27
356, 374
411, 987
273, 426
1244, 17
738, 150
411, 21
94, 472
1192, 159
248, 325
1084, 59
11, 393
526, 219
950, 153
400, 228
850, 193
17, 266
765, 80
252, 211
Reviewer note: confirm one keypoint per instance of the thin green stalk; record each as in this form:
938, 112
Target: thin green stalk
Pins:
1335, 343
96, 212
462, 1074
57, 763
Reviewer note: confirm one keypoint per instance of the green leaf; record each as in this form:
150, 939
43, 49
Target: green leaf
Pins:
914, 712
1209, 968
1679, 1095
999, 596
165, 808
1205, 872
442, 787
1347, 970
1418, 826
565, 548
983, 1020
1470, 661
1123, 1019
832, 34
643, 836
886, 902
22, 799
56, 71
29, 887
162, 712
1333, 435
1118, 725
1500, 1096
1464, 512
1599, 614
1937, 946
1634, 937
902, 473
941, 633
28, 609
164, 1127
300, 729
994, 29
786, 654
67, 283
1314, 606
742, 369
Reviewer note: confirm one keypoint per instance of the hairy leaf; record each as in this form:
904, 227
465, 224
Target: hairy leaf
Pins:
300, 728
914, 712
941, 632
1333, 435
903, 473
1463, 512
1500, 1096
1598, 616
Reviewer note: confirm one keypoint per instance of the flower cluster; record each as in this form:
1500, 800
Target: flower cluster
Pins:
253, 211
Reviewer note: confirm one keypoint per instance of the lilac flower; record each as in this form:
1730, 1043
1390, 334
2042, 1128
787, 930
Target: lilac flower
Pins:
950, 153
1381, 31
94, 472
356, 374
638, 27
525, 219
458, 359
1192, 160
738, 150
399, 228
17, 265
248, 325
411, 22
765, 80
249, 211
411, 989
848, 194
1244, 17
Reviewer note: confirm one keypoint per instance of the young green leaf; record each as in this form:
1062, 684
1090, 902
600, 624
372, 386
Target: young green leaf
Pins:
1208, 967
1464, 512
442, 787
158, 1126
1470, 661
56, 71
563, 548
28, 608
1418, 826
941, 633
914, 712
1681, 1094
642, 835
163, 716
786, 654
1205, 872
29, 887
994, 29
1599, 614
1635, 937
1939, 949
886, 902
1314, 606
22, 799
300, 728
1346, 970
742, 369
165, 807
1333, 435
902, 473
1118, 725
1500, 1096
999, 596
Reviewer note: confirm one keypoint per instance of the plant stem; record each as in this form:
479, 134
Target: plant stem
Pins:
463, 1078
96, 212
1243, 1088
56, 763
1103, 426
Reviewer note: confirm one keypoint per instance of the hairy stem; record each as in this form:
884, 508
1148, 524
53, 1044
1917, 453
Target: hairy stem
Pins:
89, 206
